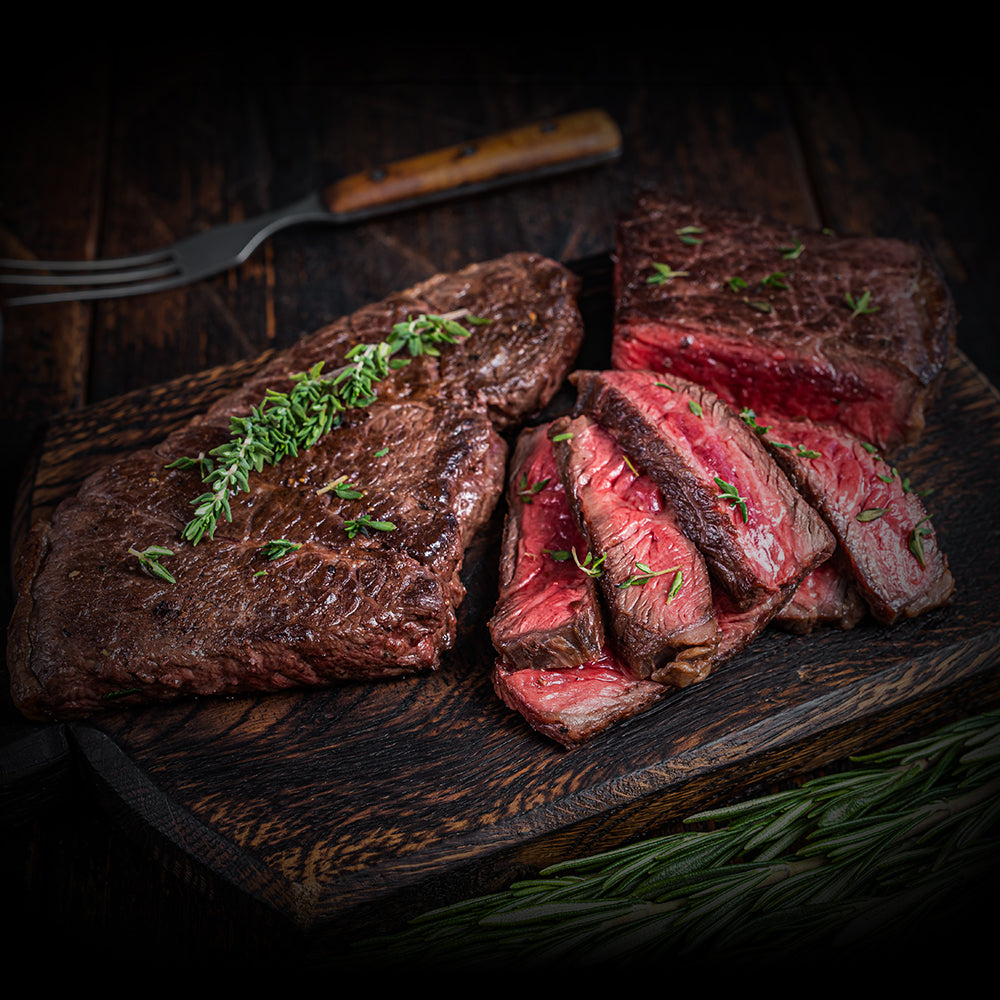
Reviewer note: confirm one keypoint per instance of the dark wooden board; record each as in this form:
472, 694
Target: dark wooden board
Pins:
344, 811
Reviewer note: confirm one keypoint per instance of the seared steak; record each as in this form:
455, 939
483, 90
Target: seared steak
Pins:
886, 538
761, 313
574, 704
757, 534
653, 580
827, 597
547, 613
91, 629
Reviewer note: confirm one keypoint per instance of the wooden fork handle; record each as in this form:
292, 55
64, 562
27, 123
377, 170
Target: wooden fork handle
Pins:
545, 147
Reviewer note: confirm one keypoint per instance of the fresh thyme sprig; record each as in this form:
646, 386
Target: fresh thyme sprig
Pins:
527, 492
588, 564
663, 274
862, 305
644, 574
285, 423
363, 522
829, 863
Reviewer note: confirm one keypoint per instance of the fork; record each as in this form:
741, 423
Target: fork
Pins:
543, 149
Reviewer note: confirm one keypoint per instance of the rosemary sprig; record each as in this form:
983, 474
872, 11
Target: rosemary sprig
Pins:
285, 423
821, 865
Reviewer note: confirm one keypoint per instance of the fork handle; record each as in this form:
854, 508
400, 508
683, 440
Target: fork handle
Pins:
545, 147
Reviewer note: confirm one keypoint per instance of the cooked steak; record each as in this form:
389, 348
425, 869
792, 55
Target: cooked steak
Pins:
827, 597
653, 580
757, 534
574, 704
547, 613
369, 585
885, 535
760, 313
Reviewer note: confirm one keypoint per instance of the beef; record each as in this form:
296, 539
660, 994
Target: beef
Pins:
653, 580
886, 539
758, 312
90, 630
548, 613
826, 598
574, 704
758, 536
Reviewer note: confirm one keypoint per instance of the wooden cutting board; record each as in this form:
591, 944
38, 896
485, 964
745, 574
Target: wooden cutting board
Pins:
341, 812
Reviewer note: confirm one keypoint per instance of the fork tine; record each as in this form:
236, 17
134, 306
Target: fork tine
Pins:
107, 277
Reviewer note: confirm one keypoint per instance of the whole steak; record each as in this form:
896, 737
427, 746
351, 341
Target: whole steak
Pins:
849, 330
347, 597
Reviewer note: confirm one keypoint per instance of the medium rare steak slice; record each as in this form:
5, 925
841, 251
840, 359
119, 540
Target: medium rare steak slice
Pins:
827, 597
654, 582
373, 520
760, 313
886, 537
548, 613
574, 704
757, 534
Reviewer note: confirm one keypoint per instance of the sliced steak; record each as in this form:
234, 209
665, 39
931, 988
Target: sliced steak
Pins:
547, 613
885, 534
91, 630
757, 534
573, 705
758, 312
653, 580
826, 598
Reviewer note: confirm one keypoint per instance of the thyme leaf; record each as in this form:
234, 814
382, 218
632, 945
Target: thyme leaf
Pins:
871, 513
526, 492
664, 273
916, 542
690, 235
149, 561
862, 305
279, 547
775, 280
793, 252
363, 522
643, 574
731, 495
749, 417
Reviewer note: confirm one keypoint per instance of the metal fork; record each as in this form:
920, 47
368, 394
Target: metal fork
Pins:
545, 148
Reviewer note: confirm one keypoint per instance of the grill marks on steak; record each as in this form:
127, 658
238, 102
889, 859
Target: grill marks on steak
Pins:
689, 441
664, 628
90, 626
792, 351
547, 613
876, 520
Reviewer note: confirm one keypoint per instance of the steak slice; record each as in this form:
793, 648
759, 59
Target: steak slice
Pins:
548, 613
90, 630
884, 533
574, 704
653, 580
758, 536
826, 598
758, 312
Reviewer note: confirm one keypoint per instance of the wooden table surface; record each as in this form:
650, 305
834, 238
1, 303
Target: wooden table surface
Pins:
117, 155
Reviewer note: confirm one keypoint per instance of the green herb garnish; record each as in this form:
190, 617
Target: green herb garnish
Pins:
526, 492
362, 523
690, 235
871, 513
644, 573
917, 535
279, 547
731, 495
793, 252
862, 305
664, 273
149, 561
285, 423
